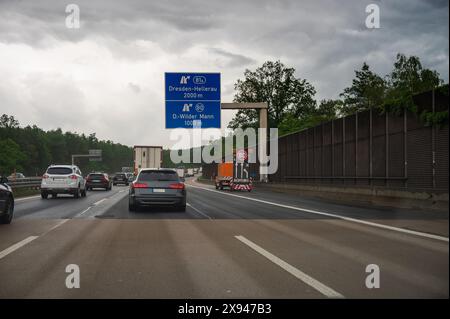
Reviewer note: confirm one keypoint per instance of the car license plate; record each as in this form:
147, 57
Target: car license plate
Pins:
159, 190
96, 181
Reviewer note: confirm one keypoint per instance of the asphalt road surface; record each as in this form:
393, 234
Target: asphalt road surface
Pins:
226, 245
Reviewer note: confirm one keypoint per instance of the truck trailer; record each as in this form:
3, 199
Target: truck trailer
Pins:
180, 172
147, 157
190, 172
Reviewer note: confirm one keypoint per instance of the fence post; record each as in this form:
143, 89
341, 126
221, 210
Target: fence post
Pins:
356, 147
405, 147
307, 153
332, 149
322, 158
343, 149
433, 140
386, 132
370, 146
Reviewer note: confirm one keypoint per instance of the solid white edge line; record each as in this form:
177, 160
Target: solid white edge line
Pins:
198, 211
84, 211
310, 281
98, 202
16, 246
56, 226
25, 198
349, 219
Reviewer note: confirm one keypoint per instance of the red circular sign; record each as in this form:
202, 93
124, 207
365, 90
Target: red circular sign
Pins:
241, 155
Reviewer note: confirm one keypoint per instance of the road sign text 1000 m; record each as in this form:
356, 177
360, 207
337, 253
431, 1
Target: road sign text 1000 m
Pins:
192, 100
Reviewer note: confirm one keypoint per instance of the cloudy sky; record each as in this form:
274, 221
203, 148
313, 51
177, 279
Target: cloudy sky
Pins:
107, 76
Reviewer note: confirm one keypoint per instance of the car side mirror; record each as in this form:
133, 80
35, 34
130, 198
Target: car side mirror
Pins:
3, 180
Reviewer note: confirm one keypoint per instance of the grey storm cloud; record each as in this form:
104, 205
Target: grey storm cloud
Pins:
134, 87
233, 59
324, 40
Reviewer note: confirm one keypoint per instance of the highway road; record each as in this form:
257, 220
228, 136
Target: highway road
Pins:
226, 245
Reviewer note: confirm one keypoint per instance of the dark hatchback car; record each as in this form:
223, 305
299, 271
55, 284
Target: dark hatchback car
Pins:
98, 180
120, 178
157, 187
6, 202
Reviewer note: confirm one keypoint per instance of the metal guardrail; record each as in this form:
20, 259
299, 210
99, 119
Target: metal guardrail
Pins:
25, 182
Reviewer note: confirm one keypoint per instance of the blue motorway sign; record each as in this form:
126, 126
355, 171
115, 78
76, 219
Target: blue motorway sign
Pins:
192, 100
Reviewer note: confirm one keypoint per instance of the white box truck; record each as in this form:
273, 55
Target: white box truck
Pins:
190, 172
147, 157
180, 172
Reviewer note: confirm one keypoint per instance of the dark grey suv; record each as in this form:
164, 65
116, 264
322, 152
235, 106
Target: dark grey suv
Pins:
157, 187
6, 201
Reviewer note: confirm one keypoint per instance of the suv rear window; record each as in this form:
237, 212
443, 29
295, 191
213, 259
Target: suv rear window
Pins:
96, 175
59, 171
146, 176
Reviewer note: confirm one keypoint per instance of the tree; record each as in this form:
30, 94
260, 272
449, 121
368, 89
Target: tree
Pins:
277, 85
329, 109
37, 149
367, 90
409, 76
406, 79
10, 157
8, 122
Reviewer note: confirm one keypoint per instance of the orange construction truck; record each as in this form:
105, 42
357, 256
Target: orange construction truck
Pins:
234, 175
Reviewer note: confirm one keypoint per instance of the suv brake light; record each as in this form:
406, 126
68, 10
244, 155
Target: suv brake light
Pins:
45, 176
138, 185
73, 176
176, 186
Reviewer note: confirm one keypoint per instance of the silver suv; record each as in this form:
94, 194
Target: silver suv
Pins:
63, 179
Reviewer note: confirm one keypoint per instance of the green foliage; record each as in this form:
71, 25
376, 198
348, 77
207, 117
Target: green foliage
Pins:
167, 161
10, 157
368, 90
406, 79
326, 111
395, 94
408, 76
275, 84
437, 119
34, 149
292, 106
443, 89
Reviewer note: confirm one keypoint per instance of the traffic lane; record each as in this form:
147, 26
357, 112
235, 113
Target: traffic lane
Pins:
337, 250
120, 211
203, 205
410, 261
414, 263
21, 229
37, 216
64, 206
357, 239
219, 205
145, 259
432, 222
339, 258
203, 259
